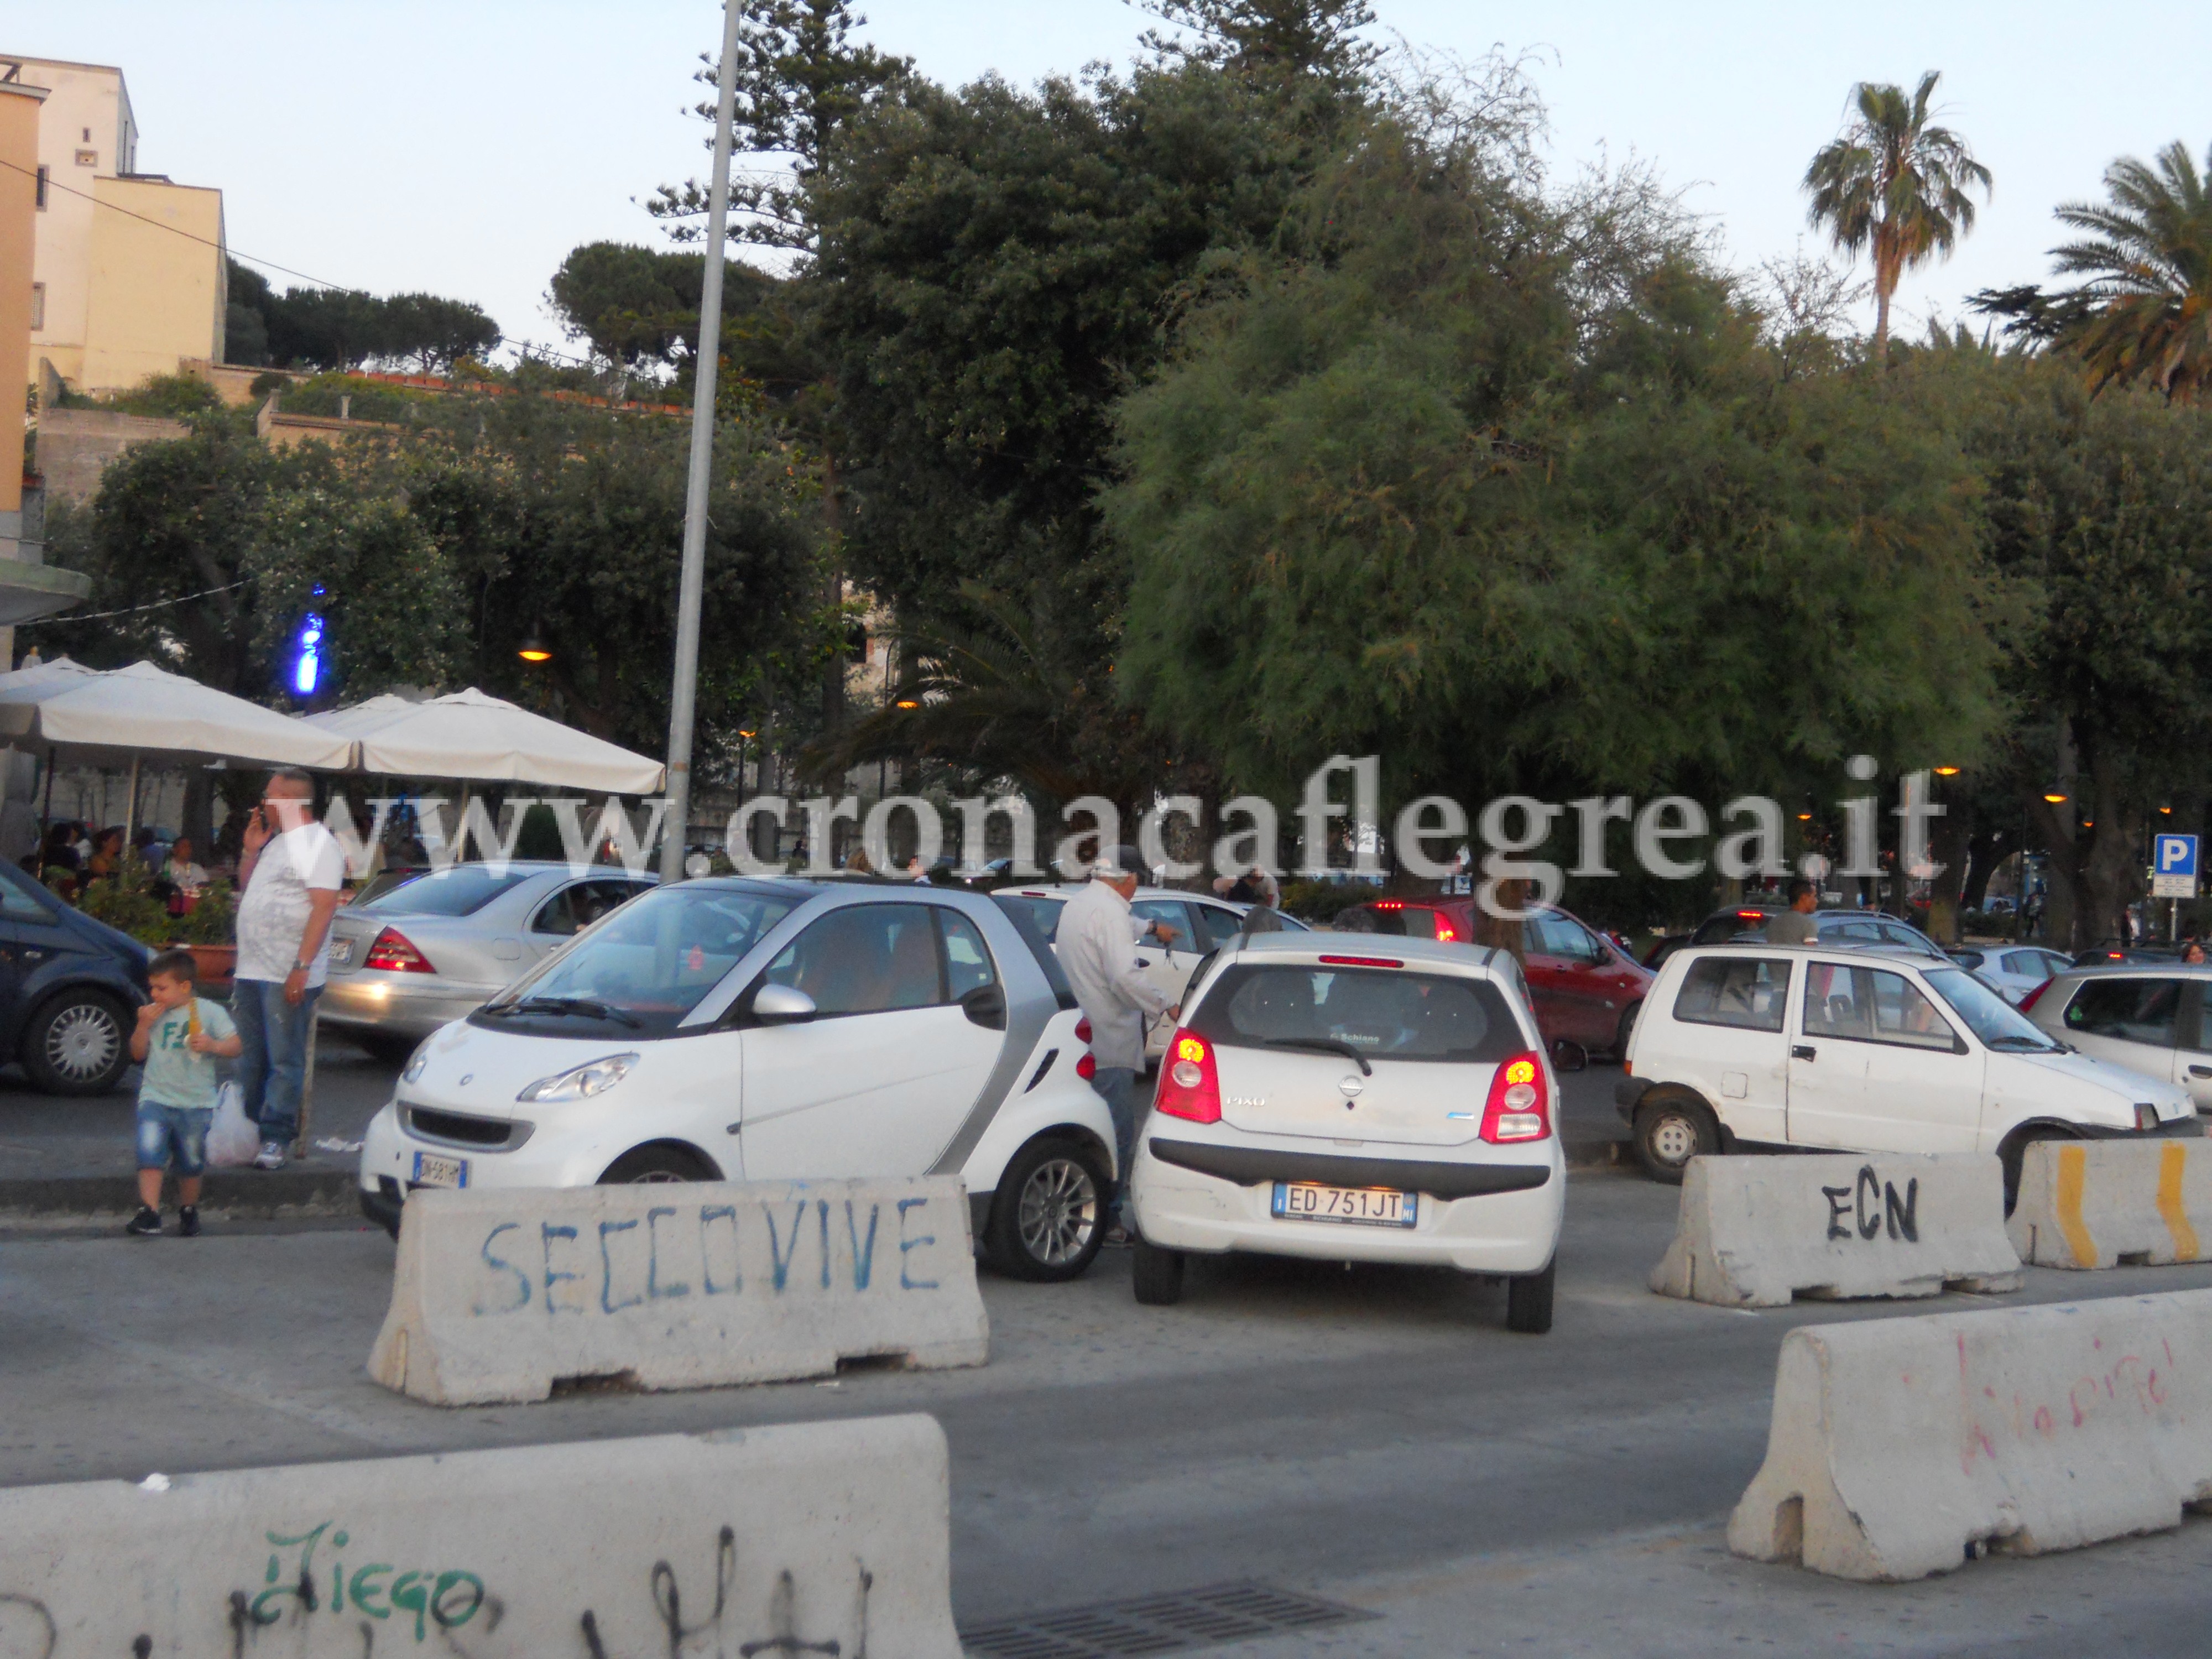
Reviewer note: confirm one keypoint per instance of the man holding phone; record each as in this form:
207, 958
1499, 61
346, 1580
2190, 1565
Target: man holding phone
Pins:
288, 881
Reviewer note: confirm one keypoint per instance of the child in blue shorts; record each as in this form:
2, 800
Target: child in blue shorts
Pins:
177, 1042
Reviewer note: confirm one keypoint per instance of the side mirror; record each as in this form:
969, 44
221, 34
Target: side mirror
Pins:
987, 1006
781, 1004
1568, 1055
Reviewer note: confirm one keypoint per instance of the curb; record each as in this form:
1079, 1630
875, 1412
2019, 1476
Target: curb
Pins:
239, 1195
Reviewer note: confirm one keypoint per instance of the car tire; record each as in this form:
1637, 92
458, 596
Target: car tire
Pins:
2012, 1153
651, 1164
1670, 1131
1048, 1220
1529, 1301
1156, 1274
78, 1042
1626, 1030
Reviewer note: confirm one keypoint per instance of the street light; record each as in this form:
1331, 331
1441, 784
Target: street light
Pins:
2054, 795
907, 703
1947, 771
534, 649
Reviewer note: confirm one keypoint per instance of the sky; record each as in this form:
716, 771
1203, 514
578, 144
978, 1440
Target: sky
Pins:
464, 148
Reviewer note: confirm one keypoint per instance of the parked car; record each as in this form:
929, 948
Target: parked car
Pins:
70, 990
1808, 1047
1200, 923
1585, 987
1847, 930
2148, 1017
2012, 970
1355, 1101
725, 1029
438, 946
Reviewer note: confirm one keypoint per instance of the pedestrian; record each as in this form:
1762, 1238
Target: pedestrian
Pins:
2192, 951
1099, 957
289, 879
107, 856
177, 1041
1253, 886
1795, 925
915, 869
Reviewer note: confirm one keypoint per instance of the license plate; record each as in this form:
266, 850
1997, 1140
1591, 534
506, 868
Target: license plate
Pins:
432, 1171
1362, 1207
341, 952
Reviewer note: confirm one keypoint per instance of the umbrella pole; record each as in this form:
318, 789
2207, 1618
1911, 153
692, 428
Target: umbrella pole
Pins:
131, 806
46, 813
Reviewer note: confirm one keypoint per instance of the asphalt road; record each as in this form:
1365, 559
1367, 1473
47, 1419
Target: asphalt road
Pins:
1374, 1437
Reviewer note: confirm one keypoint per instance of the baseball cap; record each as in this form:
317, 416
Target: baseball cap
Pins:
1118, 861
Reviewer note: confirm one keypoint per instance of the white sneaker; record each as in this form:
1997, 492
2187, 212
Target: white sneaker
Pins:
271, 1155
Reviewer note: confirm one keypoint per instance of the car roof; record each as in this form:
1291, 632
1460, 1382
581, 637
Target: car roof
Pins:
1425, 952
1067, 890
1755, 948
2175, 968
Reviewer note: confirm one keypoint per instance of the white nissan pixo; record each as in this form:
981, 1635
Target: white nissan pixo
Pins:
1356, 1099
728, 1030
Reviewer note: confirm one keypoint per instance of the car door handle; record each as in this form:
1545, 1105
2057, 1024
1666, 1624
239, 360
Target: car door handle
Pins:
2200, 1070
1802, 1051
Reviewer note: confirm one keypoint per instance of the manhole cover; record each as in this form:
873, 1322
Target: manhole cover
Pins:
1157, 1624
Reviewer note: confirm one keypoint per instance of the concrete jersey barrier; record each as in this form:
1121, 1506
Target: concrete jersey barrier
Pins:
1753, 1232
2114, 1203
497, 1295
819, 1538
1898, 1443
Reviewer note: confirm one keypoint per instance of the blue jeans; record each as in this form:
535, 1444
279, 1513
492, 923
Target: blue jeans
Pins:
1117, 1087
273, 1065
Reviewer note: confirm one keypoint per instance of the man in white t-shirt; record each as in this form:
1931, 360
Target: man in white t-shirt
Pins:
288, 882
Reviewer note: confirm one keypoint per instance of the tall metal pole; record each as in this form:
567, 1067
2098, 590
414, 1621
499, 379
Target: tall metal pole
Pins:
684, 693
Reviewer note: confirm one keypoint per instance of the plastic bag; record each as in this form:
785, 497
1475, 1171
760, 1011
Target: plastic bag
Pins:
232, 1138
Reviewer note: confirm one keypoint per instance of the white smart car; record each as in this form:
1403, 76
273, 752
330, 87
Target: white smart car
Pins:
1806, 1046
1352, 1098
731, 1030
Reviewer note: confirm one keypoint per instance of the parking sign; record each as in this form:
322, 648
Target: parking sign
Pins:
2173, 867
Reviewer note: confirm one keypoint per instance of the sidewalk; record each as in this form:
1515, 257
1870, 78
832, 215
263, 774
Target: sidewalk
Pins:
68, 1161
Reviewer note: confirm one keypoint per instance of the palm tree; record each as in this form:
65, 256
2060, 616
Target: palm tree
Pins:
1895, 185
2149, 293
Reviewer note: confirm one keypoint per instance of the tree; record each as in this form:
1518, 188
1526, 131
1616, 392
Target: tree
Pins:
2147, 305
1509, 492
1313, 42
638, 308
343, 328
1895, 185
800, 81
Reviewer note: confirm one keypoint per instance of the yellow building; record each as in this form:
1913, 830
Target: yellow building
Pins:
129, 274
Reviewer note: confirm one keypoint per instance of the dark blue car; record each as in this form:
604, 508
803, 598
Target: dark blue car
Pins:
70, 990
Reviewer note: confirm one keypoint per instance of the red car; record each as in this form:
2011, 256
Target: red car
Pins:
1585, 987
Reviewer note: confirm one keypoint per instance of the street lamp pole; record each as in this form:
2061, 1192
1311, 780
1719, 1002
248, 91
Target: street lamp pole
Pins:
684, 693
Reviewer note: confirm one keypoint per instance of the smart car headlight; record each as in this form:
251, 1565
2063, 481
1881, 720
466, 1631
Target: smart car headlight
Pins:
417, 1063
582, 1082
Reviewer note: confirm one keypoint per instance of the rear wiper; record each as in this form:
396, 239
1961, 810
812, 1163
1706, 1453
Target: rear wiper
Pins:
1325, 1045
582, 1005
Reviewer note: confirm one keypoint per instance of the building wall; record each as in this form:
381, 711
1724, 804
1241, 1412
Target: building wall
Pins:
76, 445
155, 298
19, 144
86, 115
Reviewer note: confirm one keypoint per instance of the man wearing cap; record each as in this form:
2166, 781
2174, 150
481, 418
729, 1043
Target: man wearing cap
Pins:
1099, 957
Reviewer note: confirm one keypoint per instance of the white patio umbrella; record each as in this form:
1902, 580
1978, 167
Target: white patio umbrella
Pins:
474, 736
123, 714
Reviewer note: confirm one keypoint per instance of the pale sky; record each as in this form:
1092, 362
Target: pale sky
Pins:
464, 147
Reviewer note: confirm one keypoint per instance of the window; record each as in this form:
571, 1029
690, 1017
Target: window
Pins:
1169, 915
44, 174
16, 905
37, 306
1216, 925
1898, 937
1746, 992
2129, 1010
1988, 1016
966, 958
458, 889
577, 905
1554, 935
1042, 914
87, 158
1033, 920
1871, 1005
865, 959
1381, 1014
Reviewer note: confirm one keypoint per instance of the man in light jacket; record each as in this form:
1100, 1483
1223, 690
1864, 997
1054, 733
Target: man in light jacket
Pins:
1097, 953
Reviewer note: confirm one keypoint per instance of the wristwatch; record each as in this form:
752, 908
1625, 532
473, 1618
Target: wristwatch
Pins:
299, 967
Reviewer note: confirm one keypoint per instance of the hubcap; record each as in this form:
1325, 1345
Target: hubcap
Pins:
83, 1042
1674, 1140
654, 1178
1058, 1211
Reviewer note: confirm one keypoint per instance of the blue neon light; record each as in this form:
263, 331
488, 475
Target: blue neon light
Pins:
307, 665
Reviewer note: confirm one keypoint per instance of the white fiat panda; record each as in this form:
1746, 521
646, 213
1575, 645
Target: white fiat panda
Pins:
1803, 1046
1354, 1098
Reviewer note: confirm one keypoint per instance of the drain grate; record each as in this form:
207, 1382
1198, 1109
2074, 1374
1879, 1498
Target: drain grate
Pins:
1157, 1624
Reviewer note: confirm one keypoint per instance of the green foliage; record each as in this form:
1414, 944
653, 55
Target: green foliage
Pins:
1511, 493
638, 307
340, 328
213, 920
126, 900
359, 399
2145, 313
167, 397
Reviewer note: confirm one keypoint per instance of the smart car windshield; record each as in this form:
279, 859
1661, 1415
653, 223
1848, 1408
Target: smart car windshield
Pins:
1988, 1016
646, 967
